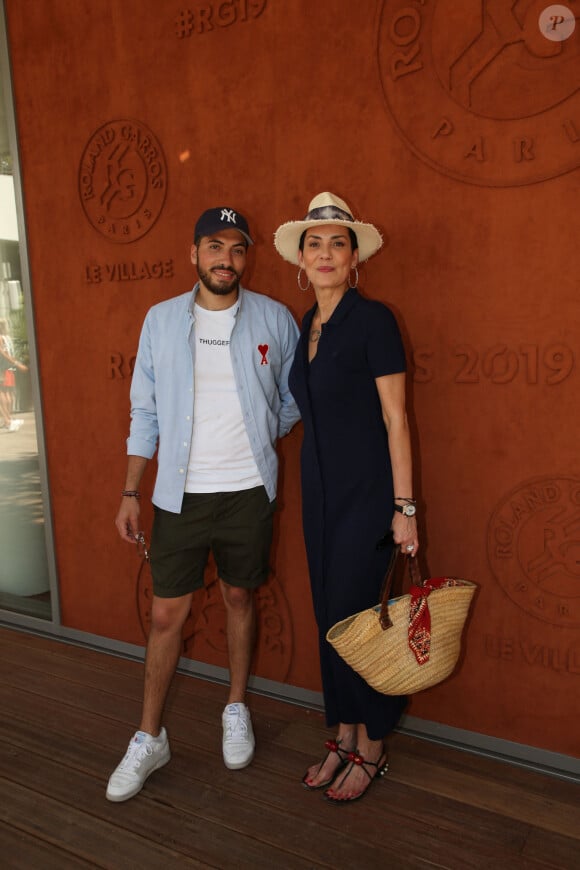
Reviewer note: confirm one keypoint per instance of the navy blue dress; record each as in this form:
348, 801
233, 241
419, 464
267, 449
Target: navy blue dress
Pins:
347, 487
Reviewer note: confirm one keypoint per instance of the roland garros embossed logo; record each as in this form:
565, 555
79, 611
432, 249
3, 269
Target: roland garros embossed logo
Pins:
533, 545
485, 91
123, 180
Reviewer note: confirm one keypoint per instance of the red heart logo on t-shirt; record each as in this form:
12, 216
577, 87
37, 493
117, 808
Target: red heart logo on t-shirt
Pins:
263, 348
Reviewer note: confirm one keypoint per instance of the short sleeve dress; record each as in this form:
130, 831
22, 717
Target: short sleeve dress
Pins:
347, 487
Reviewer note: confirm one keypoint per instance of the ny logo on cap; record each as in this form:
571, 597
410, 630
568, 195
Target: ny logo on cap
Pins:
229, 215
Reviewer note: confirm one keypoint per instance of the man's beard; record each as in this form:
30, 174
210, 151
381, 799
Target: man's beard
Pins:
214, 285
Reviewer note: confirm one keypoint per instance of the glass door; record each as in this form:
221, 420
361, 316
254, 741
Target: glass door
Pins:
25, 574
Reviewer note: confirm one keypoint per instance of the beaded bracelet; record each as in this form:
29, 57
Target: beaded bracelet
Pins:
131, 493
402, 498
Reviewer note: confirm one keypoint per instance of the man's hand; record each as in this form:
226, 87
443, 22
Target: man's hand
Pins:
127, 520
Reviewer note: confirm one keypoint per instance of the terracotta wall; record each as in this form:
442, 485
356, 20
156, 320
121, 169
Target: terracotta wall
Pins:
455, 128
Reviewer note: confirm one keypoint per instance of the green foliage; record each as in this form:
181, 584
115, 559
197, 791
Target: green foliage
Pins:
19, 335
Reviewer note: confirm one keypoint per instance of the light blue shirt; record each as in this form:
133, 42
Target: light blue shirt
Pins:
162, 391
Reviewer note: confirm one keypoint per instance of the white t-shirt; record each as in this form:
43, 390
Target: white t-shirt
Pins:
220, 459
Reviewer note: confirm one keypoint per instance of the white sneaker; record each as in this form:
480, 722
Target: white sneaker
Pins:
15, 425
238, 741
144, 755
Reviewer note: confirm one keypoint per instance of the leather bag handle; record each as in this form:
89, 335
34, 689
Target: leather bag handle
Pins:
415, 574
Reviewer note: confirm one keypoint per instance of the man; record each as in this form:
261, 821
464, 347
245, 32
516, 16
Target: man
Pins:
210, 392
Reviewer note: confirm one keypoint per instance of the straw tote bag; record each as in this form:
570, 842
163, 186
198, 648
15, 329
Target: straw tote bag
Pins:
412, 642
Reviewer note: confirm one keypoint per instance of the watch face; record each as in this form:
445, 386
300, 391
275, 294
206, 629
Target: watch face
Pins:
409, 510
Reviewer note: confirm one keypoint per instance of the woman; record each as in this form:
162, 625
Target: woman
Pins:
8, 366
348, 379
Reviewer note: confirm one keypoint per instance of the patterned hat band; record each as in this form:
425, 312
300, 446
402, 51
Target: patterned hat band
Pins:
328, 212
326, 208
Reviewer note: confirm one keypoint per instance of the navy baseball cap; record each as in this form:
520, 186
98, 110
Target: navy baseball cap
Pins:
216, 219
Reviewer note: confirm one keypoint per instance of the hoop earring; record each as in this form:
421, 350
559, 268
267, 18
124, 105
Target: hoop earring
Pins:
304, 289
354, 283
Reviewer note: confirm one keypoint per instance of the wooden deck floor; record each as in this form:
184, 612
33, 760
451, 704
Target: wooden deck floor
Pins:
67, 713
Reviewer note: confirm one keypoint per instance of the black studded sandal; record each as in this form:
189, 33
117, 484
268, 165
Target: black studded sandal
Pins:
343, 754
353, 758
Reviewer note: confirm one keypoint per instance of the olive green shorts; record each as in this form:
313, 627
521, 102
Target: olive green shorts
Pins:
235, 526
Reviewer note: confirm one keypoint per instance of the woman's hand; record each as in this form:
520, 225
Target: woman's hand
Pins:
405, 533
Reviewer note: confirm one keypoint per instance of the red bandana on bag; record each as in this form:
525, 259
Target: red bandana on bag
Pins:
420, 618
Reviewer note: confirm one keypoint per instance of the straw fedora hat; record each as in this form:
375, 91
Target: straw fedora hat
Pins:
326, 208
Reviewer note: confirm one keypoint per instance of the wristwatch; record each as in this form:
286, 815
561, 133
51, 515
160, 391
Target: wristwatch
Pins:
408, 510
